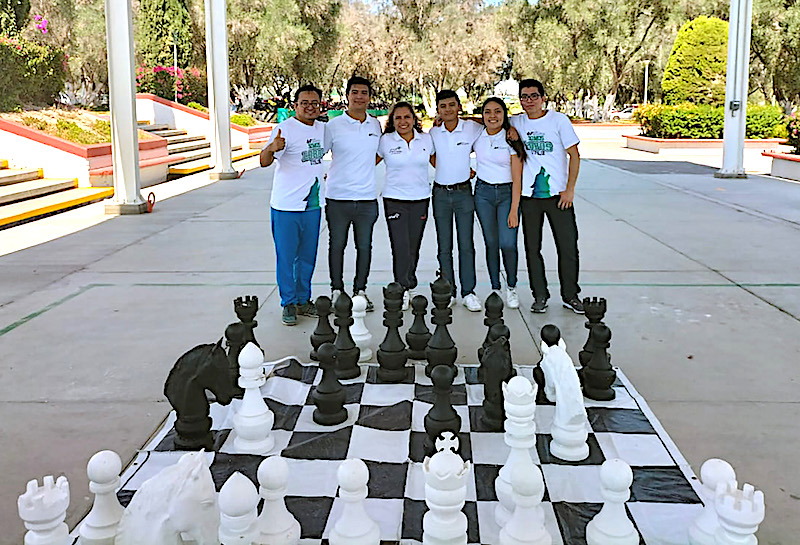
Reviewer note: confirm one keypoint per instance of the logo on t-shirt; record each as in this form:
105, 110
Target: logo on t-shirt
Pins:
396, 151
541, 185
537, 145
314, 153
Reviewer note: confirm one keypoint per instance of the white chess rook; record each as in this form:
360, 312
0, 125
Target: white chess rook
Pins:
713, 472
253, 422
43, 510
525, 527
445, 493
611, 526
739, 512
100, 525
361, 335
519, 402
276, 525
238, 506
354, 526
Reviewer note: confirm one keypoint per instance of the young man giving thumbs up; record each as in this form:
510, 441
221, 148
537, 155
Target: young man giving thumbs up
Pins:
297, 144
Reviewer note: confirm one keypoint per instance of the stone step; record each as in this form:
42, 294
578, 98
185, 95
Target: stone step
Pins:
14, 175
169, 132
199, 165
34, 188
149, 127
18, 212
184, 148
181, 139
199, 154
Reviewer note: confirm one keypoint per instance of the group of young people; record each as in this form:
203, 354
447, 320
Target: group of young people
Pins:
526, 166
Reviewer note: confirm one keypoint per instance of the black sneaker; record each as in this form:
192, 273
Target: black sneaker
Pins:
307, 309
289, 315
362, 293
539, 305
574, 305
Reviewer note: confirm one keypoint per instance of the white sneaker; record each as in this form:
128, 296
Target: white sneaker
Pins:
472, 303
335, 295
406, 300
512, 299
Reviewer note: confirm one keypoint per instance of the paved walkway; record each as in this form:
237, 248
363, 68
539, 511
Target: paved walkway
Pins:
702, 277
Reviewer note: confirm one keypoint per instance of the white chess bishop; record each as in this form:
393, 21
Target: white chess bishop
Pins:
563, 387
445, 493
713, 472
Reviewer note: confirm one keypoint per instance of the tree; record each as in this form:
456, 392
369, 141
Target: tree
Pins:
13, 16
160, 25
695, 71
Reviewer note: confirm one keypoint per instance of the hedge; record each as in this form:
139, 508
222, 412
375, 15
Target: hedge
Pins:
30, 73
161, 81
704, 121
793, 130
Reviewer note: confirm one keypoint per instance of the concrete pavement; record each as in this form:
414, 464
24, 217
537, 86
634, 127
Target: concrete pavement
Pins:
702, 277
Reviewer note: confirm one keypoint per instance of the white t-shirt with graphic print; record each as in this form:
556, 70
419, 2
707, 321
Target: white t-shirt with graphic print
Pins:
299, 170
546, 139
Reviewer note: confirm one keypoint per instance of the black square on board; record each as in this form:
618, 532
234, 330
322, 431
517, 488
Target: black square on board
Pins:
311, 512
596, 456
352, 393
167, 444
572, 519
386, 480
618, 420
225, 465
296, 371
285, 415
662, 485
476, 422
395, 417
458, 395
313, 445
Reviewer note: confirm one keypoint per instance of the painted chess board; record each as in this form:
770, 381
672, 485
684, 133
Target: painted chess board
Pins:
385, 429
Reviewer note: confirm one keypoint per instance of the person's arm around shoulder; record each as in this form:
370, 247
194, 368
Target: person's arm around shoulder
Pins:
267, 155
516, 191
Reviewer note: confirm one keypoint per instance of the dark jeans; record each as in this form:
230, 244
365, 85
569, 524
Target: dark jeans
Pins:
565, 234
459, 203
340, 215
406, 222
493, 204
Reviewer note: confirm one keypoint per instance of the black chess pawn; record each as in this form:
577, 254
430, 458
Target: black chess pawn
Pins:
441, 349
348, 353
598, 375
595, 309
328, 395
246, 308
323, 333
418, 334
497, 369
392, 354
441, 416
494, 315
550, 335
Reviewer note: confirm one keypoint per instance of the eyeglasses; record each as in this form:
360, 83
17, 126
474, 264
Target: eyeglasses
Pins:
306, 104
532, 96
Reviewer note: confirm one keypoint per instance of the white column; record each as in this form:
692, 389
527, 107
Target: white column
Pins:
736, 86
122, 101
218, 89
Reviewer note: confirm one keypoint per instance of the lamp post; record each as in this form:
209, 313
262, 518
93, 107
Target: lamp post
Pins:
175, 60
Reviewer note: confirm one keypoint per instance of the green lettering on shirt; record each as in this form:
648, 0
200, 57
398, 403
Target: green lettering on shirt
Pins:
313, 154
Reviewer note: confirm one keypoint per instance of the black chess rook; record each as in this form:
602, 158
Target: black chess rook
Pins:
323, 333
595, 309
348, 353
418, 334
441, 349
329, 395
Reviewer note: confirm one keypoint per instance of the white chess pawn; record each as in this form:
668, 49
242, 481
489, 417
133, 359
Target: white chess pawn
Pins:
525, 527
276, 525
354, 527
611, 526
445, 493
253, 422
739, 512
100, 525
704, 527
43, 510
238, 506
361, 335
519, 402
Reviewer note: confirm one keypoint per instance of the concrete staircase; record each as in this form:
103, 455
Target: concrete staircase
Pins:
26, 195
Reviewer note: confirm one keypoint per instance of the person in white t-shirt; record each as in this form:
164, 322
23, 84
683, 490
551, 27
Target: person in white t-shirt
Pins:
406, 151
548, 189
297, 144
498, 164
350, 189
452, 194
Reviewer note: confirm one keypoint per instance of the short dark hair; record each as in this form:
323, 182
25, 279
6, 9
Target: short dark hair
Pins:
444, 94
307, 88
531, 83
358, 80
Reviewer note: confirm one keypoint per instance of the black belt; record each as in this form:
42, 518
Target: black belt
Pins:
454, 187
494, 185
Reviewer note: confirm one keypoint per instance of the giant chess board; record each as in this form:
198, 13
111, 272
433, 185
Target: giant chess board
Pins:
385, 429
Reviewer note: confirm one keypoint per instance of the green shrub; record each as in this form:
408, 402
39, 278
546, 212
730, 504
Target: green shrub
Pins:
13, 16
243, 120
704, 121
196, 106
30, 73
695, 71
763, 120
195, 85
793, 132
162, 81
34, 123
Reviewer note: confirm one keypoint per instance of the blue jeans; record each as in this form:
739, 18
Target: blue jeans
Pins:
296, 235
493, 204
459, 203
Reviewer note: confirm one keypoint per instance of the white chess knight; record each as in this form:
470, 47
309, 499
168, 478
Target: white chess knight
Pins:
180, 502
238, 506
563, 386
253, 422
526, 527
611, 526
276, 525
100, 525
43, 510
739, 512
704, 527
361, 335
354, 526
445, 493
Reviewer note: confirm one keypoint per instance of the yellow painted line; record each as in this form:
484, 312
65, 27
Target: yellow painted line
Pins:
12, 213
245, 155
41, 173
189, 170
3, 163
